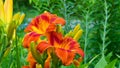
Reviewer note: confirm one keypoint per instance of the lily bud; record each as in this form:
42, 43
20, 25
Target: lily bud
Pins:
7, 52
8, 9
38, 66
76, 63
16, 18
10, 30
35, 53
78, 35
69, 34
77, 27
21, 19
2, 13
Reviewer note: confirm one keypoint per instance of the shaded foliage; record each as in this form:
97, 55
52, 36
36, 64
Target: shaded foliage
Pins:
75, 11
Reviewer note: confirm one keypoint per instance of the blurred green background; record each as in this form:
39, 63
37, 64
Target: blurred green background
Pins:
99, 19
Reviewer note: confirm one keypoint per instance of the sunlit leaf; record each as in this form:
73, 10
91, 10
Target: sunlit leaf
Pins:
102, 63
108, 56
111, 64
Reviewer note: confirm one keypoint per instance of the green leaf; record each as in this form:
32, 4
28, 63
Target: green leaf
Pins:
108, 56
30, 1
119, 65
111, 64
93, 59
102, 63
70, 66
35, 53
84, 65
118, 55
107, 31
1, 22
107, 43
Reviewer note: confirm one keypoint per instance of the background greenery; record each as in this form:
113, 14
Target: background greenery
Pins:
100, 20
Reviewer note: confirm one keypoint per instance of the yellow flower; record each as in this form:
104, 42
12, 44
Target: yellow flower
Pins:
6, 11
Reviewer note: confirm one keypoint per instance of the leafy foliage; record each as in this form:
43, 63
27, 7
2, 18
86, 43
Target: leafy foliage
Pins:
91, 15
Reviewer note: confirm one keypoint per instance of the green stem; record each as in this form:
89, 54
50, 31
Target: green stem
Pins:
55, 61
86, 36
104, 30
3, 48
17, 52
65, 14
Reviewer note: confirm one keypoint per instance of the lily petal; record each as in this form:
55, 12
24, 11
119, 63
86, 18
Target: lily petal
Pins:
8, 8
42, 46
59, 21
78, 61
67, 50
47, 61
32, 36
51, 28
73, 46
2, 14
31, 60
65, 56
80, 52
54, 37
44, 23
55, 19
38, 24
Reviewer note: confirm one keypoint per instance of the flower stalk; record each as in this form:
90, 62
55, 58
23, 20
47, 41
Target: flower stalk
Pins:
105, 26
8, 26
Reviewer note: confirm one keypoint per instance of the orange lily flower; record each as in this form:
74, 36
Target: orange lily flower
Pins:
41, 25
31, 60
65, 48
29, 37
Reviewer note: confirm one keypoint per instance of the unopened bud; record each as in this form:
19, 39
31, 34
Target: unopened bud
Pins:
78, 35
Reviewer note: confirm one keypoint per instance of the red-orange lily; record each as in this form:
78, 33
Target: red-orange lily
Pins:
31, 60
65, 48
41, 25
